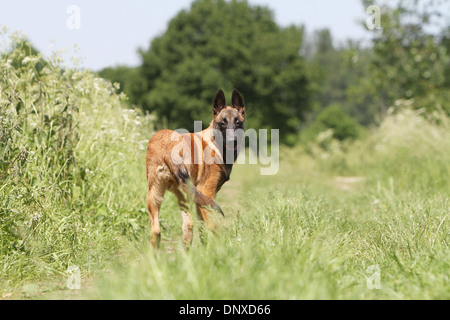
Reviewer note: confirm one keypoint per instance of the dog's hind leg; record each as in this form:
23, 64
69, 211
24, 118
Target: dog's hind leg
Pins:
188, 225
154, 200
158, 181
155, 196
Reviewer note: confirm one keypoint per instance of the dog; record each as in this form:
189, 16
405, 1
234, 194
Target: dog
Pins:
177, 162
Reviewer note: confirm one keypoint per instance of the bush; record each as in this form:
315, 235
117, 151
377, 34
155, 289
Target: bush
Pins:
336, 121
71, 164
409, 150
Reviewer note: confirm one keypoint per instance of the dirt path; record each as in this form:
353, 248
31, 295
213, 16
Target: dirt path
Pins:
348, 183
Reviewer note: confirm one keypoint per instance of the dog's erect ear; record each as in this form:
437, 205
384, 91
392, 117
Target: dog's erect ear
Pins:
238, 102
219, 102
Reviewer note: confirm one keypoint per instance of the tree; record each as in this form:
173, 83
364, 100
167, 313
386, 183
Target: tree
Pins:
408, 60
445, 43
220, 44
335, 70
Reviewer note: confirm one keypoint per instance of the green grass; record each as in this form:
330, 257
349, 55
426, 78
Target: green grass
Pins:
300, 236
74, 192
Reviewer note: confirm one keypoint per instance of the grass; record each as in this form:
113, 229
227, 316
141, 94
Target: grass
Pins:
300, 236
73, 193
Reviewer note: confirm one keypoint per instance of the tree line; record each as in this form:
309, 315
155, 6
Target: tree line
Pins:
290, 78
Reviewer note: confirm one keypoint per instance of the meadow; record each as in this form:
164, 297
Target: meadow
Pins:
72, 193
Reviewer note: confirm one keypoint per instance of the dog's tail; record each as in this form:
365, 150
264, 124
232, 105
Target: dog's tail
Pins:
182, 176
204, 201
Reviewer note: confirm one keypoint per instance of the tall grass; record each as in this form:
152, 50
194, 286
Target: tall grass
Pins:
72, 190
409, 149
304, 234
71, 163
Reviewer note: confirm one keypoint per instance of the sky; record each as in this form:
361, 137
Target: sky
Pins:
109, 32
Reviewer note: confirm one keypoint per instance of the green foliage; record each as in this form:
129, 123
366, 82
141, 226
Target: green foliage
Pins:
221, 44
340, 125
308, 234
130, 79
344, 127
409, 61
65, 139
409, 149
334, 71
230, 44
72, 174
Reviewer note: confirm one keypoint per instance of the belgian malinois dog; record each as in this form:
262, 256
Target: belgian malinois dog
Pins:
177, 162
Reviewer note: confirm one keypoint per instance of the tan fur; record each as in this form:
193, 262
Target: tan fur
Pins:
206, 179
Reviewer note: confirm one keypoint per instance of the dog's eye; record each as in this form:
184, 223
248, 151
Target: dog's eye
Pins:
238, 123
223, 123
